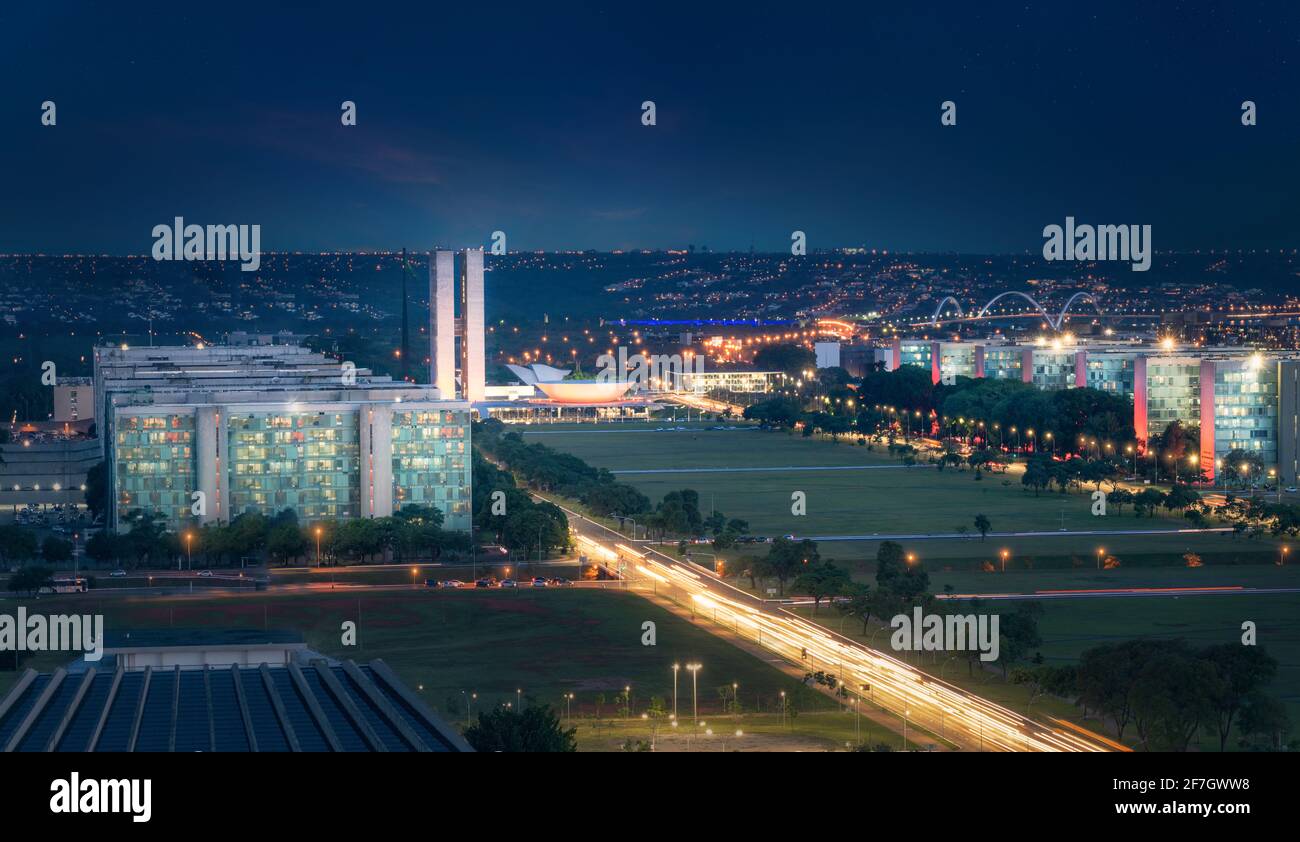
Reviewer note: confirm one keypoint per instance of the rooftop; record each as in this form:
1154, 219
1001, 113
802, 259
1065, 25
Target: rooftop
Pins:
319, 707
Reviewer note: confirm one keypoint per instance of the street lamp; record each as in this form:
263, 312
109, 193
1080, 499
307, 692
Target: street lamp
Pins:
676, 669
1101, 551
1005, 555
1282, 560
695, 699
189, 538
318, 546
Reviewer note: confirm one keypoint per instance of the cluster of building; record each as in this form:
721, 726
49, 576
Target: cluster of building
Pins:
1241, 399
209, 433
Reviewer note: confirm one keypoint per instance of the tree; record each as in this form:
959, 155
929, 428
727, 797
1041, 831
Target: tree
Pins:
535, 729
1036, 476
897, 581
1173, 697
104, 547
983, 524
1180, 497
1242, 672
96, 493
1106, 677
821, 581
1018, 632
779, 412
286, 541
791, 359
55, 550
17, 543
786, 559
1266, 717
890, 562
31, 579
858, 602
1146, 501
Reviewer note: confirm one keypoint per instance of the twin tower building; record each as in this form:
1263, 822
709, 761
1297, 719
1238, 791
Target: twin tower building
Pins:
447, 326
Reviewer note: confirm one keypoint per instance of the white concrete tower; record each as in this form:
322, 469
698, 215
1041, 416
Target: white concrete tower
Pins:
473, 374
442, 322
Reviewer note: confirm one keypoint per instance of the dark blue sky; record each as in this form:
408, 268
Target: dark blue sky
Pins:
772, 117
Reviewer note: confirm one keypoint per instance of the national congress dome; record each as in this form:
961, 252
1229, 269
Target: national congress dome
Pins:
551, 382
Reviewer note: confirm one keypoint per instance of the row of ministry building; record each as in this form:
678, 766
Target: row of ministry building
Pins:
1241, 399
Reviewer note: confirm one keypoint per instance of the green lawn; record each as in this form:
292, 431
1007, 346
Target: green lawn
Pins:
882, 500
813, 731
547, 643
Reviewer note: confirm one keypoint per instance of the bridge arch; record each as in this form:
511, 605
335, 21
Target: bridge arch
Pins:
985, 309
937, 310
1060, 320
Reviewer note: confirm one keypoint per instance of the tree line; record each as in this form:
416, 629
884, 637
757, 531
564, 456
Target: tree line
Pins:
1169, 692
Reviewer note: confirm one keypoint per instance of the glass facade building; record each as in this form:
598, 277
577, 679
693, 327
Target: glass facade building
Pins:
154, 457
1236, 397
305, 461
431, 461
1246, 408
327, 455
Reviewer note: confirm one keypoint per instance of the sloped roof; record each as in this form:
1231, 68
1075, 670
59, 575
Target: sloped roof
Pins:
318, 707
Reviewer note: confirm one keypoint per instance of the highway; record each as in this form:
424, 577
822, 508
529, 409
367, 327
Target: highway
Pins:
918, 699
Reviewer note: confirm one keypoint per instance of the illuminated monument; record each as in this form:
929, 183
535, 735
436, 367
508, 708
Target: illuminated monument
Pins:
446, 326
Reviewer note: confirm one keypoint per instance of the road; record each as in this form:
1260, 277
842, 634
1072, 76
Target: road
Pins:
1046, 533
786, 469
917, 698
1111, 593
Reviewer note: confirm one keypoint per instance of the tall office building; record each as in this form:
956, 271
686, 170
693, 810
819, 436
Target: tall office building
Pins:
273, 428
473, 376
442, 314
447, 327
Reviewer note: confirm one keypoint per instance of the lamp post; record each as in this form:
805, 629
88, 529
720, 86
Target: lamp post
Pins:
318, 546
695, 699
1005, 555
676, 669
1101, 551
189, 555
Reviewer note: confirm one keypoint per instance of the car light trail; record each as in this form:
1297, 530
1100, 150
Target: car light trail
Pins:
925, 701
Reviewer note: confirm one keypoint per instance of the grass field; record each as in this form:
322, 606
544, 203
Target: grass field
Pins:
883, 498
546, 643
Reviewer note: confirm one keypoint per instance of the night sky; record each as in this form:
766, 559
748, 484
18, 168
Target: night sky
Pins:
771, 118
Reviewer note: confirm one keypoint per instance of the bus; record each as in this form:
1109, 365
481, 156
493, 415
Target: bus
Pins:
66, 584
